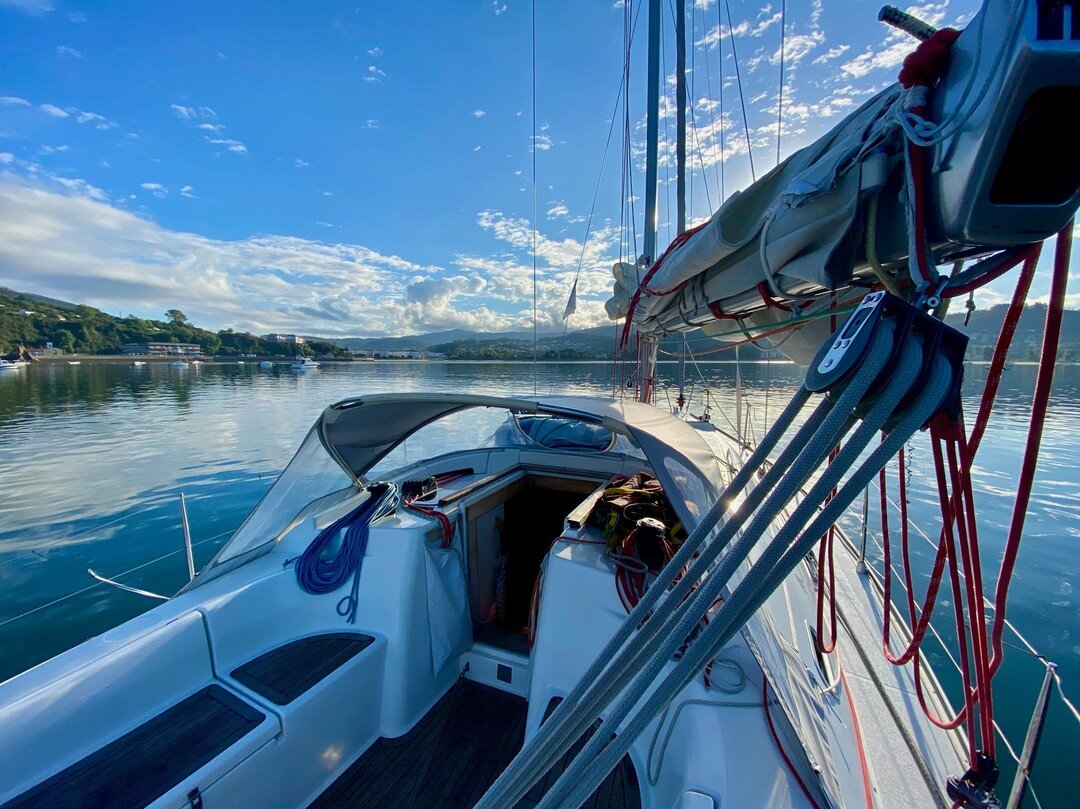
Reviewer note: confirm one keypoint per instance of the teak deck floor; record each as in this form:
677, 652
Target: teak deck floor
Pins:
453, 755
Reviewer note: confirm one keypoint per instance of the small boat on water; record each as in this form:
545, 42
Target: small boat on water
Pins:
74, 362
178, 364
303, 364
11, 365
137, 364
266, 365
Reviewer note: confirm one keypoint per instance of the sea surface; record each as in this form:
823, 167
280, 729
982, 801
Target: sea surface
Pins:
93, 458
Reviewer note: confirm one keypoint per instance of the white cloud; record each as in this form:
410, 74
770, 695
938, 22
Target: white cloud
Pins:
301, 163
372, 123
53, 110
831, 54
81, 187
375, 52
99, 121
34, 7
374, 74
328, 193
77, 245
48, 150
13, 101
206, 116
876, 59
6, 158
157, 189
478, 113
765, 20
324, 224
76, 17
188, 191
186, 113
67, 52
896, 45
558, 210
231, 144
542, 142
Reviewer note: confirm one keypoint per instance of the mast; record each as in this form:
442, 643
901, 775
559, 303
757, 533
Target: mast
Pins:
647, 350
680, 114
680, 156
652, 132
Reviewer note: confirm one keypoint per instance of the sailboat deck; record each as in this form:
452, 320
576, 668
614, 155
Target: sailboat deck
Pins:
453, 755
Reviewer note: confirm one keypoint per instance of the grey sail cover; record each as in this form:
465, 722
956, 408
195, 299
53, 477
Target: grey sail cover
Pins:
794, 234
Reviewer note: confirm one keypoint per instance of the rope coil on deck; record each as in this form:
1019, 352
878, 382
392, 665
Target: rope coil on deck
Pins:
320, 571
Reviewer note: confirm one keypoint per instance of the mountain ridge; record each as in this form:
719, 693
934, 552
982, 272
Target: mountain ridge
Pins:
76, 327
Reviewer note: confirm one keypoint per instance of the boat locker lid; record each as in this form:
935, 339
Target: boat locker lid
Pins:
359, 432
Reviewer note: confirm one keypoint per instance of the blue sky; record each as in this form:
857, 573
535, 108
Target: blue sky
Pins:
352, 169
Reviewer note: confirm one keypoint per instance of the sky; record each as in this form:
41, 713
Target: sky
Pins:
353, 169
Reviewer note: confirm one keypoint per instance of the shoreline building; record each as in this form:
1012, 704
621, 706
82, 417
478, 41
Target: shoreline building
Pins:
151, 349
288, 339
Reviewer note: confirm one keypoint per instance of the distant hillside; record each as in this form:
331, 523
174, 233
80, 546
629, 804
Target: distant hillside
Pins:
84, 329
424, 342
985, 324
32, 320
596, 342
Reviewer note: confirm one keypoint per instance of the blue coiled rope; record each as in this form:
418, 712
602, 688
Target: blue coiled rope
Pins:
319, 574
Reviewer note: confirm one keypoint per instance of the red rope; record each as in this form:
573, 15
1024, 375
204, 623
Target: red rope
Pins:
769, 301
444, 521
1039, 405
954, 456
969, 553
993, 381
991, 275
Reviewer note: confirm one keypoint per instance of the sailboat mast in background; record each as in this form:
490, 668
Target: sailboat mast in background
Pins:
647, 350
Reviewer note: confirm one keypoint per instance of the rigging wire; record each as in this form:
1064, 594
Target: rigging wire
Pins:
535, 354
696, 147
716, 158
55, 601
780, 97
592, 208
720, 94
738, 81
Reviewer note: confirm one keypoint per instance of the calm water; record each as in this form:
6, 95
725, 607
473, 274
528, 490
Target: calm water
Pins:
92, 458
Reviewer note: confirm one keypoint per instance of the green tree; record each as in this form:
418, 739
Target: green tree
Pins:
176, 316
